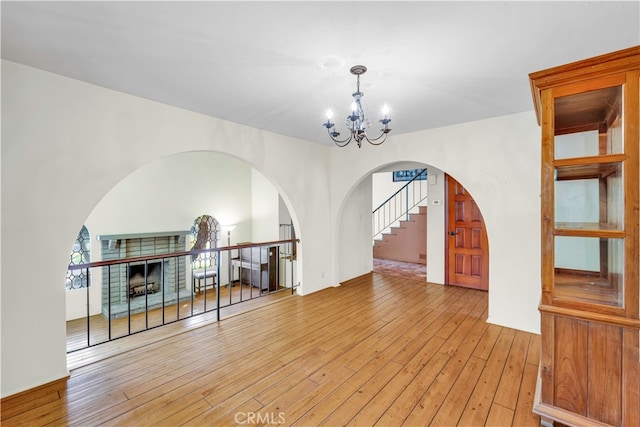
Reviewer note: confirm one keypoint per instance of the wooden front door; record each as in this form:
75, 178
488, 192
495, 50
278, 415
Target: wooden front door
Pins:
467, 243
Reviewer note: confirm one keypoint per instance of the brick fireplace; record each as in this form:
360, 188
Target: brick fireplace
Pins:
123, 286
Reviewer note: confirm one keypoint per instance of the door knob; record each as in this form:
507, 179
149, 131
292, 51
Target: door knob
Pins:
452, 233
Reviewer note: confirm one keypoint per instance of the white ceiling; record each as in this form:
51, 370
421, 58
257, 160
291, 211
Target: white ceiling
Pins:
279, 66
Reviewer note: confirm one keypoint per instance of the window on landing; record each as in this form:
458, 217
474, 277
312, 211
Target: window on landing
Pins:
80, 254
205, 234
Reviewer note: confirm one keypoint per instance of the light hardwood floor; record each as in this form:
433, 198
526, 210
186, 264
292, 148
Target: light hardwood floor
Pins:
378, 350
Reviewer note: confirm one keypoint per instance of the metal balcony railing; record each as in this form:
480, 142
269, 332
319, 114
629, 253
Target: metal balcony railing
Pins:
141, 293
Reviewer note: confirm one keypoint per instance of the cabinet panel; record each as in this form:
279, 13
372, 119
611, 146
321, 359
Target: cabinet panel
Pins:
570, 360
587, 368
631, 377
605, 373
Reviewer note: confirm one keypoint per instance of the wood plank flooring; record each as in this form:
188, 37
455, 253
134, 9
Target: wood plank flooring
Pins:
379, 350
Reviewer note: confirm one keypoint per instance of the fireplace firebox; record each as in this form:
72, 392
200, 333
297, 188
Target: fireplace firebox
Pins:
144, 278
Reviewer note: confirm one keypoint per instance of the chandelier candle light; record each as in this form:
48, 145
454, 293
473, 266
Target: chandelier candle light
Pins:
356, 121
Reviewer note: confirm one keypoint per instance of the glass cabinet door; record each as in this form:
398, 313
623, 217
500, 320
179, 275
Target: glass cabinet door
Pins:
588, 195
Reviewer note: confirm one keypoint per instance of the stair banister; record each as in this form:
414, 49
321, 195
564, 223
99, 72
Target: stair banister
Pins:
409, 203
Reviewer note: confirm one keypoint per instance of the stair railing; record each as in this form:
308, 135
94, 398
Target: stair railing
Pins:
399, 204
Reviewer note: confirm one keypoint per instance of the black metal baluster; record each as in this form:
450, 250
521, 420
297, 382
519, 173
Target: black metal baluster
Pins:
218, 287
146, 296
128, 293
88, 311
230, 286
109, 300
205, 285
176, 281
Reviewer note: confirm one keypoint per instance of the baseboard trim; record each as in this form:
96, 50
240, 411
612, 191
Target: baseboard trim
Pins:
55, 384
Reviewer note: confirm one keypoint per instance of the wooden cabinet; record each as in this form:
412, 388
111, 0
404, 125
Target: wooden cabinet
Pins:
590, 359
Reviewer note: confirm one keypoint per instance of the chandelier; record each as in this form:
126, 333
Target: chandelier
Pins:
356, 121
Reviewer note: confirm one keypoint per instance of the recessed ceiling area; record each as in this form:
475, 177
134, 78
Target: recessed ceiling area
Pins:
279, 66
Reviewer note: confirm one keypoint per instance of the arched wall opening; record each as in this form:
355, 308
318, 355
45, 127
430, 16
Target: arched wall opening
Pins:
354, 223
497, 161
167, 194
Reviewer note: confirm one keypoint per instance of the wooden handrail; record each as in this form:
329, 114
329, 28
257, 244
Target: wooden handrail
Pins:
177, 254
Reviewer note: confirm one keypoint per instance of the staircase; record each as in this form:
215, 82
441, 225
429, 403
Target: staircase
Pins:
405, 242
399, 205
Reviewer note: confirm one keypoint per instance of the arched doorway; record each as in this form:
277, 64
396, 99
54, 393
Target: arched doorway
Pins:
399, 221
357, 207
154, 209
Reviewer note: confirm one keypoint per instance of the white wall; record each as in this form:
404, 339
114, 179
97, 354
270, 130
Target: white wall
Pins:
498, 161
50, 126
284, 217
355, 230
265, 209
436, 219
171, 192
